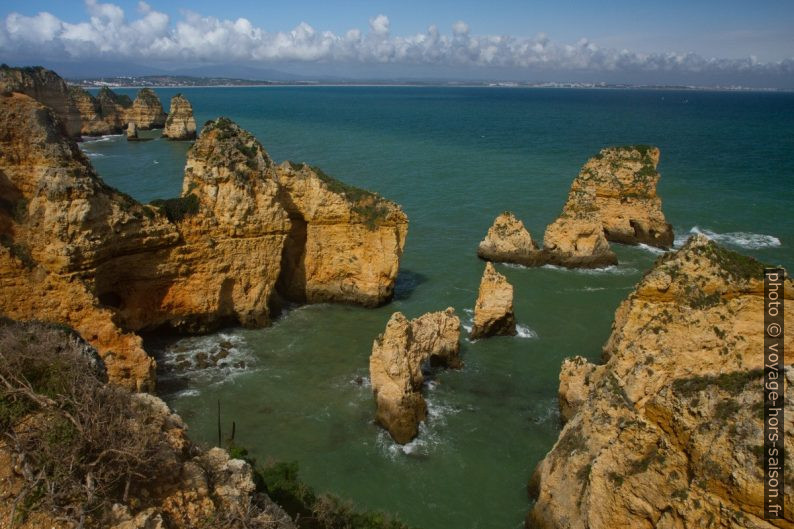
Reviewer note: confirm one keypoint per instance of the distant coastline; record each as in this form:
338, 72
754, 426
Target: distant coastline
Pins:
160, 81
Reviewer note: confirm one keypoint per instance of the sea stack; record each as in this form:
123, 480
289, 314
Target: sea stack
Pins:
180, 124
618, 188
493, 311
113, 108
90, 113
508, 241
667, 432
147, 111
395, 367
330, 218
132, 131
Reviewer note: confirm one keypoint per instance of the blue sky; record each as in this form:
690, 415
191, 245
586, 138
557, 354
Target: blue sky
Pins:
612, 40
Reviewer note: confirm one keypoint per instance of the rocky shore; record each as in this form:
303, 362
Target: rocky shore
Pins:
78, 252
667, 431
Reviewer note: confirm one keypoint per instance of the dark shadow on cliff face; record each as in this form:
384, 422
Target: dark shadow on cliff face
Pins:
406, 283
291, 285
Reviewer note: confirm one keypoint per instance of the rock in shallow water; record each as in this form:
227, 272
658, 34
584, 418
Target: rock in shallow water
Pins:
395, 367
493, 310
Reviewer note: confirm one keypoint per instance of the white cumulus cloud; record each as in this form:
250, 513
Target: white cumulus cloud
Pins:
108, 33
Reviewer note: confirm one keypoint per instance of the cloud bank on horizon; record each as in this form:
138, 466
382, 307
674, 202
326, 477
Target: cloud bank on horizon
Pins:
108, 34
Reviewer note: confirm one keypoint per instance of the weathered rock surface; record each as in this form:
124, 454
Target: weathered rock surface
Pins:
146, 111
90, 113
113, 109
189, 487
577, 243
180, 123
667, 432
132, 132
613, 199
508, 241
47, 87
78, 252
493, 310
618, 187
345, 243
395, 367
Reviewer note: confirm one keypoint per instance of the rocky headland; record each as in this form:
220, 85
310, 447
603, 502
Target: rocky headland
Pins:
612, 199
180, 123
493, 310
395, 367
77, 252
45, 86
146, 111
667, 431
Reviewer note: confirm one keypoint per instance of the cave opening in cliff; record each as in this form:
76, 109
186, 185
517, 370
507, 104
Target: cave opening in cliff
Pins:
291, 285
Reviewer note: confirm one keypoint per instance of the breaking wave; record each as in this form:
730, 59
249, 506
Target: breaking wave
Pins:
741, 239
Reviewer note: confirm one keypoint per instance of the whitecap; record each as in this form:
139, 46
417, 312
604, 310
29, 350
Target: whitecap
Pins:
742, 239
188, 393
513, 265
652, 249
214, 358
523, 331
97, 139
611, 270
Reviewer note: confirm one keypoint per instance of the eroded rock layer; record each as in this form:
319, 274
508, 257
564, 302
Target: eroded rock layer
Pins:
180, 123
668, 432
146, 111
493, 310
78, 252
345, 243
618, 187
395, 367
45, 86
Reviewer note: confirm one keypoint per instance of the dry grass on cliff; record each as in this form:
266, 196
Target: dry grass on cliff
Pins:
79, 444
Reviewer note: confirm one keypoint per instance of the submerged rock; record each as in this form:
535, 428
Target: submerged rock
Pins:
78, 252
508, 241
395, 367
146, 111
493, 311
45, 86
667, 432
180, 124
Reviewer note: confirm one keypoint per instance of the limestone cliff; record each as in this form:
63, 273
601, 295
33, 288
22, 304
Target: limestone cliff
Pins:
612, 199
146, 111
78, 252
90, 113
618, 188
493, 310
45, 86
113, 109
508, 241
395, 367
667, 432
180, 124
345, 243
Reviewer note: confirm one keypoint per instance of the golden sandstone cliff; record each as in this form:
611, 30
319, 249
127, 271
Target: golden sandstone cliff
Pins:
395, 367
146, 111
77, 252
667, 432
180, 123
45, 86
612, 199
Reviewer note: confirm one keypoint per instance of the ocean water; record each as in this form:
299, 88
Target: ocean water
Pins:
454, 158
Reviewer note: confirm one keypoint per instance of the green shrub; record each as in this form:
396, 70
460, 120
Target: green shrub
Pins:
177, 209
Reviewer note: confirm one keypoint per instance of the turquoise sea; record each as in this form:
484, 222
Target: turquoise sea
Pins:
454, 158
